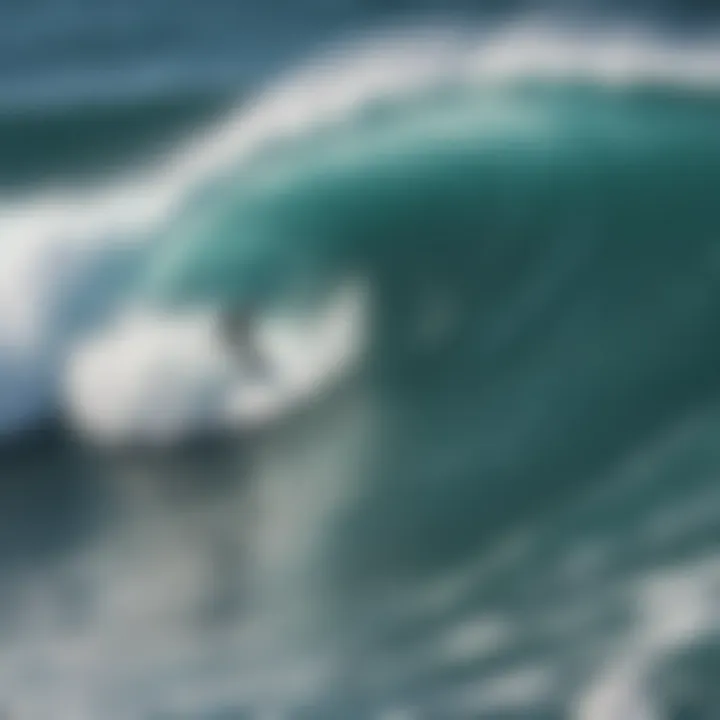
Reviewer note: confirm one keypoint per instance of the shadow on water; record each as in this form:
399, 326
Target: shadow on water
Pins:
50, 502
54, 493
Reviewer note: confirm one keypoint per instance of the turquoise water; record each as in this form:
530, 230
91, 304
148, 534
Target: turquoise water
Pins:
508, 509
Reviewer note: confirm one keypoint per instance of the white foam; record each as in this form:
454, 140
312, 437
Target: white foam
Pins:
675, 608
159, 379
62, 263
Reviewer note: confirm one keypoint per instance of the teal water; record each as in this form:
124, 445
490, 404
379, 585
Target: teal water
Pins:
508, 510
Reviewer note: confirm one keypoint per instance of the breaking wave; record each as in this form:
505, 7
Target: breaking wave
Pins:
454, 174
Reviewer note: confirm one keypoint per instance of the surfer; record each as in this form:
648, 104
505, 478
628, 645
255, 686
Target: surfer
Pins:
237, 327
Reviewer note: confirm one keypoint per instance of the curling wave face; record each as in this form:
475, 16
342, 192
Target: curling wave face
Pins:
448, 173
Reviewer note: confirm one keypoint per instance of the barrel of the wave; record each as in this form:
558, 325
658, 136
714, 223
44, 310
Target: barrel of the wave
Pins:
469, 195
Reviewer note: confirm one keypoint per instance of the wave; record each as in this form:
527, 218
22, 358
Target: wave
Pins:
448, 171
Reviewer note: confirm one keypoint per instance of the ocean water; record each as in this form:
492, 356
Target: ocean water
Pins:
481, 248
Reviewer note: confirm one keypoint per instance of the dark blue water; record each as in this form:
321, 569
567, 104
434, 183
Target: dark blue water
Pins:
507, 507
